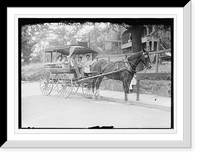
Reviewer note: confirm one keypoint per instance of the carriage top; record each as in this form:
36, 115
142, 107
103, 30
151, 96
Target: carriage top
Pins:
72, 49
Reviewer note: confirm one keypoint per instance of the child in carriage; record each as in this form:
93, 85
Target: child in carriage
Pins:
59, 61
62, 62
87, 64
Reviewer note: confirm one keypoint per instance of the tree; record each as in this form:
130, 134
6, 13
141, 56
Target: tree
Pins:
26, 44
165, 42
99, 33
136, 35
37, 37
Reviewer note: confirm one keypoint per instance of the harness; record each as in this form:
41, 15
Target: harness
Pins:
129, 67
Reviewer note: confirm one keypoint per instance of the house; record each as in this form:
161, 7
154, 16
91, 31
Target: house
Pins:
149, 41
122, 40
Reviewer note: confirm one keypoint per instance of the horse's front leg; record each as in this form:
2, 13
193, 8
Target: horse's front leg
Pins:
126, 88
125, 96
125, 91
126, 99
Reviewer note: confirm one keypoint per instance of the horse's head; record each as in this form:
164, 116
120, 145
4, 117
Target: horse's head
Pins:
146, 59
136, 58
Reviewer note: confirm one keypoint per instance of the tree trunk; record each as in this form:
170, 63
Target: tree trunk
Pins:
136, 34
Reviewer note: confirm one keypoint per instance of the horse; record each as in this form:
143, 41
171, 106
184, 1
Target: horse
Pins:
120, 70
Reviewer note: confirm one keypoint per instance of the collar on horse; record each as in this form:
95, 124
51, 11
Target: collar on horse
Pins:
129, 67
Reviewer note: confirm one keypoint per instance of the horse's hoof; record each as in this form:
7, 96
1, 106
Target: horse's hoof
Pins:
98, 98
128, 103
93, 97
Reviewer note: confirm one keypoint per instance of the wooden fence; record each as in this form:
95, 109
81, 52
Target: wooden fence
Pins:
123, 56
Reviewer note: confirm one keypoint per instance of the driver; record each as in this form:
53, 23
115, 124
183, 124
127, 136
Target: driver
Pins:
74, 65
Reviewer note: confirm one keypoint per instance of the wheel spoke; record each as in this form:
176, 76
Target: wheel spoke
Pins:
86, 89
60, 89
42, 87
46, 85
64, 86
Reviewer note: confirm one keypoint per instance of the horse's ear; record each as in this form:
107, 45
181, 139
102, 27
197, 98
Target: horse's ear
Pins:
144, 50
145, 53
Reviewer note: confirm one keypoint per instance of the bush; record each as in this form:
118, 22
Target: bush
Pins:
31, 72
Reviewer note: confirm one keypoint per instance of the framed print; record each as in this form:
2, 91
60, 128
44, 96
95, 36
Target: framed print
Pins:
99, 77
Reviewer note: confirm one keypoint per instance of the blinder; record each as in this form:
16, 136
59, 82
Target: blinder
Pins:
145, 55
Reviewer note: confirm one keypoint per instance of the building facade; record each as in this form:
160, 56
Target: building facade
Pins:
149, 41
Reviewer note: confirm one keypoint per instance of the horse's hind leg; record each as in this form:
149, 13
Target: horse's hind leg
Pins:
93, 89
99, 80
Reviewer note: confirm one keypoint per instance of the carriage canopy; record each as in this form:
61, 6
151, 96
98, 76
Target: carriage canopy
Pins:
72, 49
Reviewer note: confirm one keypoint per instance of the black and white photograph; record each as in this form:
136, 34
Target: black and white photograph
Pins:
99, 77
96, 73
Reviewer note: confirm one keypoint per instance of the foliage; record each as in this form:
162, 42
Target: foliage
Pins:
158, 33
37, 37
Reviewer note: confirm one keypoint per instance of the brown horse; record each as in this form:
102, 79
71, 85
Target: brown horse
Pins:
126, 70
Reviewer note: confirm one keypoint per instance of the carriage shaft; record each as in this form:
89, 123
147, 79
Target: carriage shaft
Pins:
100, 75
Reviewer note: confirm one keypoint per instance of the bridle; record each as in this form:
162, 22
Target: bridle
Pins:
133, 70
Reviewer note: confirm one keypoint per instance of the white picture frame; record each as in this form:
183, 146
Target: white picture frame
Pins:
180, 137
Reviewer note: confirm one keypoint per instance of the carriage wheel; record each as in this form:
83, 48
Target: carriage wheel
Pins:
46, 84
64, 86
55, 80
87, 89
75, 88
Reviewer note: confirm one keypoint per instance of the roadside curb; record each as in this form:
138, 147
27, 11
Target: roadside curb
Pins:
136, 103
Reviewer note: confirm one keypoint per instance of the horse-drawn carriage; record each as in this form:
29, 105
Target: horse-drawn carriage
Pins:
61, 76
64, 78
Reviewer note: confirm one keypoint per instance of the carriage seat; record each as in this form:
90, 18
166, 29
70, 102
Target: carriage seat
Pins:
87, 74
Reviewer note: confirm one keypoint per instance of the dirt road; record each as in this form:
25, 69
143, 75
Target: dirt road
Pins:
79, 112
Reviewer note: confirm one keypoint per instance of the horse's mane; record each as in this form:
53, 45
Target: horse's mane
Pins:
135, 56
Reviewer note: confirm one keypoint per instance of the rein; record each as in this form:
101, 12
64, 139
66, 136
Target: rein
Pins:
135, 65
132, 70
